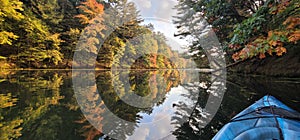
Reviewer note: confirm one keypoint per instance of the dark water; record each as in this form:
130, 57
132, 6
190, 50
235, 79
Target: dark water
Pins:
165, 104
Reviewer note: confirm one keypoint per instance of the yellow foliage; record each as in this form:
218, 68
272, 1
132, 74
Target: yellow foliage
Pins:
11, 129
84, 19
10, 9
7, 37
7, 100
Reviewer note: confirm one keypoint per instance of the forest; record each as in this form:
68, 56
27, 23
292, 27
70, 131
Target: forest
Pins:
44, 34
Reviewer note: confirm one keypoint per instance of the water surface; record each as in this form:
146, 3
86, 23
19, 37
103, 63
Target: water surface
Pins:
162, 104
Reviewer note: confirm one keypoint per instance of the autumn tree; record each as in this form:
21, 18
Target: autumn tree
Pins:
245, 29
10, 11
108, 32
257, 37
26, 38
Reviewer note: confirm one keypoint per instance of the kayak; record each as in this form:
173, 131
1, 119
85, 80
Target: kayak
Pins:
267, 118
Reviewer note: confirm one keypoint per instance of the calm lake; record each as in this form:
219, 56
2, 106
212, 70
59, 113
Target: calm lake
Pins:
151, 105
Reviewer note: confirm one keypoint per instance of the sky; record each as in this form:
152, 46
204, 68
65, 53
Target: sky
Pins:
158, 124
159, 13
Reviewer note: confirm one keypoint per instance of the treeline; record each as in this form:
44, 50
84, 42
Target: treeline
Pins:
45, 34
150, 51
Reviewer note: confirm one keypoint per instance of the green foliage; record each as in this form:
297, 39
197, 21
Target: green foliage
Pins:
48, 11
47, 127
246, 29
221, 14
40, 47
69, 43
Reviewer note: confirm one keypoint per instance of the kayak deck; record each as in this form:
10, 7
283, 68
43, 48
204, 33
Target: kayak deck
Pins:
268, 118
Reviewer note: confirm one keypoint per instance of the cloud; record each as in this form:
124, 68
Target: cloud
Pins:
159, 13
147, 4
160, 126
156, 8
141, 4
140, 134
164, 9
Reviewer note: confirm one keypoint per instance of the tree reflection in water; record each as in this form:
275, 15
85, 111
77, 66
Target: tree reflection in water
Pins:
42, 105
151, 84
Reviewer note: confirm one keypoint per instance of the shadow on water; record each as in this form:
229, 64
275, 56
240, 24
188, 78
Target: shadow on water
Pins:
42, 104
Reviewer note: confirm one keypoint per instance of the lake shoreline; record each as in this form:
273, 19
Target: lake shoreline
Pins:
287, 65
237, 70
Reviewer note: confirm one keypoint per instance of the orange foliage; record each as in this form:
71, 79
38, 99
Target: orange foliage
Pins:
236, 56
294, 36
262, 56
281, 7
270, 51
292, 22
276, 39
234, 46
274, 42
88, 131
91, 9
280, 51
